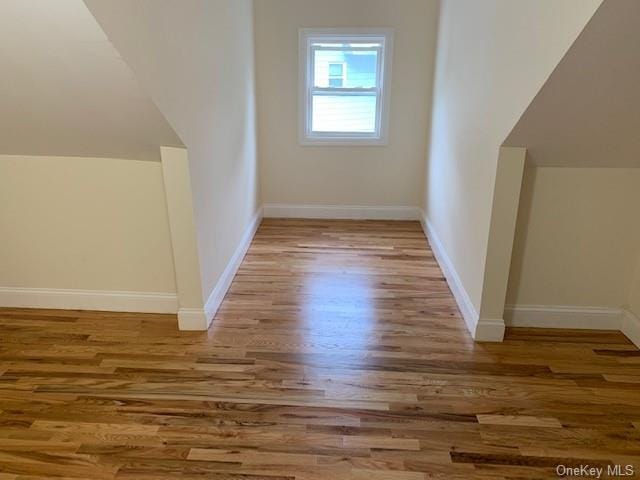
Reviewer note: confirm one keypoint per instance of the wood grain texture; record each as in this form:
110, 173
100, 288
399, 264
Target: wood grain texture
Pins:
338, 353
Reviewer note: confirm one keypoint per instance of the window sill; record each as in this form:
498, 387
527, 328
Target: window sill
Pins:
343, 142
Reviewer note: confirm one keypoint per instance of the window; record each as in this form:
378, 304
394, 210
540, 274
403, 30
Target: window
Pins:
344, 79
336, 74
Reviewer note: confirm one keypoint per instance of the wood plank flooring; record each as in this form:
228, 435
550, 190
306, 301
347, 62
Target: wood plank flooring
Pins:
338, 353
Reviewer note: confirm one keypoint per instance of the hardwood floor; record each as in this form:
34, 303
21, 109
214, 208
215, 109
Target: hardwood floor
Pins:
338, 353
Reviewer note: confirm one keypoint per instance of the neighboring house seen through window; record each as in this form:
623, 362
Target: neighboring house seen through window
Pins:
336, 74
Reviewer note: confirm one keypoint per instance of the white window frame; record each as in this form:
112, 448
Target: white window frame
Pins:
308, 36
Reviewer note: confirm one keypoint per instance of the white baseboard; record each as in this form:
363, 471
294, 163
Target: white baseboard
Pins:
224, 282
567, 316
192, 319
563, 316
101, 300
631, 327
489, 330
340, 212
465, 305
138, 302
482, 330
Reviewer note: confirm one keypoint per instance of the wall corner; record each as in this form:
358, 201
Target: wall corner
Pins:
504, 213
179, 198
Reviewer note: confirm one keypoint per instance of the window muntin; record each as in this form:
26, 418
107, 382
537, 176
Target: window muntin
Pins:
343, 86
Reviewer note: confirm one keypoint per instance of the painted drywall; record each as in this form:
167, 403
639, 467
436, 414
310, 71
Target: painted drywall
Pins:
493, 57
65, 89
195, 58
84, 223
389, 175
577, 238
504, 214
634, 292
586, 115
177, 187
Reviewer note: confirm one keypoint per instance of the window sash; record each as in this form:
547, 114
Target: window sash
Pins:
313, 91
346, 92
337, 91
354, 48
311, 52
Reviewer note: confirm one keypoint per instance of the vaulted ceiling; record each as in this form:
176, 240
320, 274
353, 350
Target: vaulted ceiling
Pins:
588, 112
64, 90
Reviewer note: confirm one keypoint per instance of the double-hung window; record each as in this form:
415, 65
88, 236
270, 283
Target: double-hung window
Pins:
344, 85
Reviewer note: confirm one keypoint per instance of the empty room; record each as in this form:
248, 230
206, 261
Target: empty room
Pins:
319, 239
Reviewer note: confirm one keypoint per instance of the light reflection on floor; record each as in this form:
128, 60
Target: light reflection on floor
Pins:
339, 305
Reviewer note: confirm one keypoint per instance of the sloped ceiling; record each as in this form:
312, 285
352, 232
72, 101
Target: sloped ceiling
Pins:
588, 112
64, 90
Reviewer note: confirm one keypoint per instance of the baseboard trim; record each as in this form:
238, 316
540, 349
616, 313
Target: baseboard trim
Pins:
563, 316
465, 305
631, 327
576, 317
482, 330
100, 300
224, 282
192, 319
489, 330
341, 212
135, 302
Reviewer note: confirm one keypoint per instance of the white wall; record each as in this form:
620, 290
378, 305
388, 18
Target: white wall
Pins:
577, 238
84, 223
389, 175
195, 57
597, 79
493, 57
504, 214
66, 90
634, 292
179, 199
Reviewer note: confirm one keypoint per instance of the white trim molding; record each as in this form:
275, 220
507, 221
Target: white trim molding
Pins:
340, 212
631, 327
489, 330
224, 282
100, 300
534, 316
562, 316
482, 330
192, 319
465, 305
577, 317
